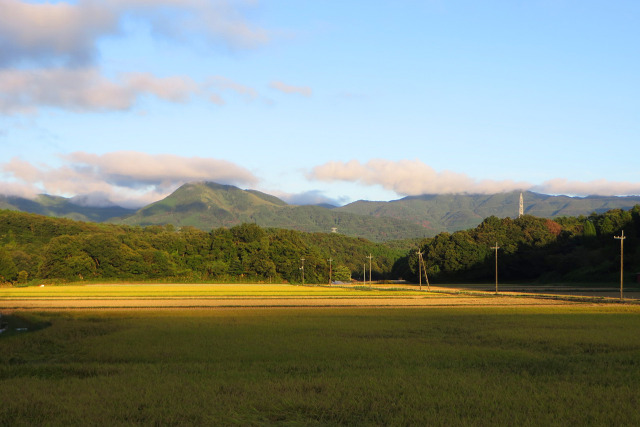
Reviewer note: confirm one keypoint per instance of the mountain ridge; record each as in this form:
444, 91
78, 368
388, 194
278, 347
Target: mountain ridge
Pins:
208, 205
57, 206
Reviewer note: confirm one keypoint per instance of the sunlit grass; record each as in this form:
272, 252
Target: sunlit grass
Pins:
197, 291
437, 366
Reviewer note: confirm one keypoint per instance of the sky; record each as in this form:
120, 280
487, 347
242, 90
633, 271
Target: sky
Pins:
319, 101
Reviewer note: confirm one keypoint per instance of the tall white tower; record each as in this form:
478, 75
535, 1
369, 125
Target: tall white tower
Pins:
521, 210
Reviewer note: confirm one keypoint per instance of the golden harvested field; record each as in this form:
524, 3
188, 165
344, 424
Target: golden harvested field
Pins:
252, 295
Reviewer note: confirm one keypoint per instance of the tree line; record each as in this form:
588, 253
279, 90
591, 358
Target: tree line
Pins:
568, 249
39, 248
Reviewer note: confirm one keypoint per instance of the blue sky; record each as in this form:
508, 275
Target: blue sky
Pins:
313, 101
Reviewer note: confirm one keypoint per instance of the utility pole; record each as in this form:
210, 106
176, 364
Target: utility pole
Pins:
621, 238
424, 267
302, 268
370, 258
496, 247
329, 270
420, 268
364, 277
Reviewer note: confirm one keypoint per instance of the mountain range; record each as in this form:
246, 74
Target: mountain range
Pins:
56, 206
208, 205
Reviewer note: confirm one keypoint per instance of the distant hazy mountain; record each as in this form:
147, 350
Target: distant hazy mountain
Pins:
62, 207
209, 205
451, 212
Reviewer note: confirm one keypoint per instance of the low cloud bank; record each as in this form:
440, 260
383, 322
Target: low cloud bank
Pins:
413, 178
134, 179
312, 197
409, 178
126, 178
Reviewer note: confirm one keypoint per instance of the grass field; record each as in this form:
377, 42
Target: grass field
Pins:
195, 291
325, 366
136, 296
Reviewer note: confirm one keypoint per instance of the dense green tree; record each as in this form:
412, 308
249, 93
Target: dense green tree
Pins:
531, 249
8, 269
589, 230
341, 273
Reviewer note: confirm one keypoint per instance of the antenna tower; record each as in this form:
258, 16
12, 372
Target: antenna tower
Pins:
521, 209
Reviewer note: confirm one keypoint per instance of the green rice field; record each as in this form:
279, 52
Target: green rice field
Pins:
563, 365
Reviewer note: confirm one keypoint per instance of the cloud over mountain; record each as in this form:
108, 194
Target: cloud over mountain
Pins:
409, 177
126, 177
413, 177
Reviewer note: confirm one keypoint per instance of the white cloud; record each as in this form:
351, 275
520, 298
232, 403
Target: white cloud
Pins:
311, 197
600, 187
126, 177
413, 177
217, 99
130, 169
45, 33
174, 89
84, 89
66, 33
283, 87
18, 189
48, 51
224, 83
408, 177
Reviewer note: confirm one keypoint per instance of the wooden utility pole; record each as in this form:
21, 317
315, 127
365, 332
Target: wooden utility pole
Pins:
329, 270
496, 247
370, 258
426, 276
420, 268
364, 277
621, 238
302, 268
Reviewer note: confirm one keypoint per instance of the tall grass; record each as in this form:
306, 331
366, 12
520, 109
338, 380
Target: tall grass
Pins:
462, 366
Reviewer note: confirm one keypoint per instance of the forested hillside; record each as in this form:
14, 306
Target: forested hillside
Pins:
571, 249
56, 206
208, 205
453, 212
34, 247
